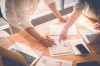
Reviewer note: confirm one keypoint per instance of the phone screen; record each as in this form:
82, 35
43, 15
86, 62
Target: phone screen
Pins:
82, 49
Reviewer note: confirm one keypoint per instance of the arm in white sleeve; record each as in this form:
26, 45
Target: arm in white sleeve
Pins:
19, 12
47, 2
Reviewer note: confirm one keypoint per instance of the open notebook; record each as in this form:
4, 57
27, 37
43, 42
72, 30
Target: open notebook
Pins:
21, 53
66, 47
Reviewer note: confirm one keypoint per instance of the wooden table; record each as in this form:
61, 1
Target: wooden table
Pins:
24, 37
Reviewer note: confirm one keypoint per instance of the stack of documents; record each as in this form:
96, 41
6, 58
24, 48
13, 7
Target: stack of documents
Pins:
47, 61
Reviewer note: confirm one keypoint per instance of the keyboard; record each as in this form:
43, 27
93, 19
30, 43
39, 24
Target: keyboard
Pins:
28, 59
89, 37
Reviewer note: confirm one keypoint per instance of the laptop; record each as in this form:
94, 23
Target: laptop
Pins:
20, 53
90, 36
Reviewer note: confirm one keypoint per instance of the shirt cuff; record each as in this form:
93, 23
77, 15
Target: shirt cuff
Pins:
25, 24
47, 2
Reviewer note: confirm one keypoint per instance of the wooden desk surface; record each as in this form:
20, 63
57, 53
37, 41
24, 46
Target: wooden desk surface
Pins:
25, 38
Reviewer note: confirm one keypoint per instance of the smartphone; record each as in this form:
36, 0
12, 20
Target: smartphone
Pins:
82, 49
90, 63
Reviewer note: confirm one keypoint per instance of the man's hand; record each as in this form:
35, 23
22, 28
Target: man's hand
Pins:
47, 42
97, 26
36, 35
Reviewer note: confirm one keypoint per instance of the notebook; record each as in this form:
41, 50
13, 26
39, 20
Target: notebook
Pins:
90, 36
21, 53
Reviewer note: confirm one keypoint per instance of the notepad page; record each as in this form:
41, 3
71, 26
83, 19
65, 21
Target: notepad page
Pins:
56, 29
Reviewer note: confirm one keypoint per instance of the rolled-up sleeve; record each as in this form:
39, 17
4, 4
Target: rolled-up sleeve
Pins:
79, 5
47, 2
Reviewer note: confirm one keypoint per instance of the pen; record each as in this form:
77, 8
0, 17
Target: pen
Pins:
54, 35
49, 37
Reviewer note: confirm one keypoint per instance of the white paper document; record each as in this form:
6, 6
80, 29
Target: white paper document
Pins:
47, 61
61, 48
66, 47
56, 29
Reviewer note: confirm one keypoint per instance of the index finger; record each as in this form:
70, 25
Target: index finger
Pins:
60, 39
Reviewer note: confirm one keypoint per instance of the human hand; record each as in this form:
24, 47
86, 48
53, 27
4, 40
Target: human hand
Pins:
97, 26
63, 35
47, 42
64, 18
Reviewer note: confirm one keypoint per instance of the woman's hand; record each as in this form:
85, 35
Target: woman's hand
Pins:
64, 18
97, 26
63, 35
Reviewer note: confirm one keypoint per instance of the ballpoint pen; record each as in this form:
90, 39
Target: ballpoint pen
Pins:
49, 37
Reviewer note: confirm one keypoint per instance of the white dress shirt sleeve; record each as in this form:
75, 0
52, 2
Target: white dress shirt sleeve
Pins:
47, 2
19, 12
